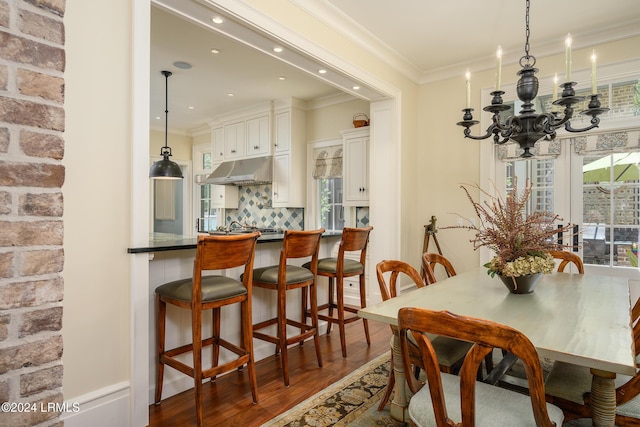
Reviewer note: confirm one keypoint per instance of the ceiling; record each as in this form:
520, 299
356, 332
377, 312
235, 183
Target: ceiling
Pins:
425, 40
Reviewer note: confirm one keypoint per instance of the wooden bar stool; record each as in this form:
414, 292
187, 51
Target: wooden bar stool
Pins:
285, 277
210, 292
336, 269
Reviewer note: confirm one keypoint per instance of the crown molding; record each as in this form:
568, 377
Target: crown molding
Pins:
541, 50
334, 18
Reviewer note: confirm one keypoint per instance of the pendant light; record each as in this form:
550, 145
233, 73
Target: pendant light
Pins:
165, 168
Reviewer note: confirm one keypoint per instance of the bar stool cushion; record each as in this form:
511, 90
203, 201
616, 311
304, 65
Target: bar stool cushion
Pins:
213, 288
329, 265
295, 274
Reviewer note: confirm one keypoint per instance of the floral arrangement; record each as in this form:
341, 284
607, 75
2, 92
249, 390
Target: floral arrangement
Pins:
521, 242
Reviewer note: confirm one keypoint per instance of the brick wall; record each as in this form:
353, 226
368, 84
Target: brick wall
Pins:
32, 62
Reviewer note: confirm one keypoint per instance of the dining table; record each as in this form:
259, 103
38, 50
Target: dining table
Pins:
582, 319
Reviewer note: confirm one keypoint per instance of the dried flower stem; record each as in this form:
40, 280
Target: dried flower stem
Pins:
507, 230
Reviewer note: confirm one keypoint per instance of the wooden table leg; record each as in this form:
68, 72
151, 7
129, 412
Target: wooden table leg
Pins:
398, 405
603, 398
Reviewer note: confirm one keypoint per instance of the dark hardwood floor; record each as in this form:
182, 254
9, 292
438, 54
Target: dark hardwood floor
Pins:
227, 401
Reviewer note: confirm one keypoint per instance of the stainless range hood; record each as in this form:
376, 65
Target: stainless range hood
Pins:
257, 170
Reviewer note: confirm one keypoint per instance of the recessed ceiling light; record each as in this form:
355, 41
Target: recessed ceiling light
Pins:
230, 94
356, 87
217, 20
191, 107
322, 71
277, 49
181, 64
282, 78
214, 50
157, 117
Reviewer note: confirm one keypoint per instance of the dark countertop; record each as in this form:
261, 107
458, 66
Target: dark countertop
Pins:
160, 242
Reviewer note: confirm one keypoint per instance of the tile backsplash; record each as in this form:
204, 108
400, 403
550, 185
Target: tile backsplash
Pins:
362, 217
254, 208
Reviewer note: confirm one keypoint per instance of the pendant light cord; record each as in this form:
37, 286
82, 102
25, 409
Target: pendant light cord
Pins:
166, 108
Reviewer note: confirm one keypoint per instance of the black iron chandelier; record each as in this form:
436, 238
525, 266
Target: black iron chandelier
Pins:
528, 127
166, 168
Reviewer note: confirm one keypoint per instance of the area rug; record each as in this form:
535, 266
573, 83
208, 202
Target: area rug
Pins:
344, 402
353, 401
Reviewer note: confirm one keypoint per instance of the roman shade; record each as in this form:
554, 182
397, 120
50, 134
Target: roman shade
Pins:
543, 149
327, 162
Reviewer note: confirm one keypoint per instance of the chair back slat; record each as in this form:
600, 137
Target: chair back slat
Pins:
301, 244
566, 258
486, 335
222, 252
354, 239
395, 267
429, 263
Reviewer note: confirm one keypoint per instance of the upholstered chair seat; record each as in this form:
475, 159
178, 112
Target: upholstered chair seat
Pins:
515, 410
214, 288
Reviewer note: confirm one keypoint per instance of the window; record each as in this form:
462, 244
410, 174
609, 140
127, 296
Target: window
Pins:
331, 209
539, 172
205, 214
611, 209
601, 194
207, 218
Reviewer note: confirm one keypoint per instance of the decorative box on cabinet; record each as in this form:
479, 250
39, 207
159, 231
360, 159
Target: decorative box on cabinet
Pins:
356, 167
289, 161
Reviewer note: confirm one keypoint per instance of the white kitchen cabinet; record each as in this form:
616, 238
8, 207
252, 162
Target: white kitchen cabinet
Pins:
289, 161
356, 167
234, 140
217, 144
258, 137
282, 133
281, 179
224, 196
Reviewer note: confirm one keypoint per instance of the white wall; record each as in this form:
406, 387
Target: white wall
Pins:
96, 195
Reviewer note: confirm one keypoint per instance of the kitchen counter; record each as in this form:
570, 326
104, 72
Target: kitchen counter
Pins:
160, 242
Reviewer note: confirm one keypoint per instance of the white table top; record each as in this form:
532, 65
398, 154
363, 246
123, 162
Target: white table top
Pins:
578, 318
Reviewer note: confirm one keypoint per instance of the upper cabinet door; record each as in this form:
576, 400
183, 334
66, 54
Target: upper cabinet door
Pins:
234, 140
281, 179
258, 137
217, 144
282, 134
356, 169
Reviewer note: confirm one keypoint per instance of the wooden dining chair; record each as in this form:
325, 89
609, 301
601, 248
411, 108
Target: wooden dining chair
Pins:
447, 400
429, 263
567, 258
569, 386
450, 352
210, 292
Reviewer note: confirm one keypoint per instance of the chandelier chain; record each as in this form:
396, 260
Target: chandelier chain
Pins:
527, 33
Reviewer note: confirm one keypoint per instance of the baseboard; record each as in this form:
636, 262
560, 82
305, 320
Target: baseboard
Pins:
106, 407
